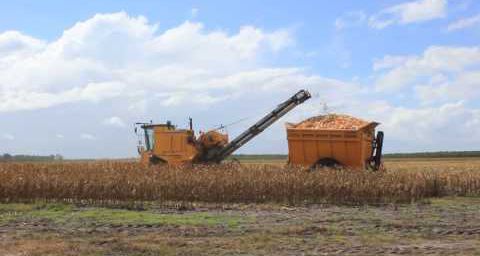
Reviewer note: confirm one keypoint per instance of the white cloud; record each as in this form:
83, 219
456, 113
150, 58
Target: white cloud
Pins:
114, 121
59, 136
389, 61
87, 136
445, 80
409, 12
194, 12
465, 86
8, 136
464, 23
441, 86
439, 65
16, 46
350, 19
15, 42
432, 128
23, 99
126, 63
116, 55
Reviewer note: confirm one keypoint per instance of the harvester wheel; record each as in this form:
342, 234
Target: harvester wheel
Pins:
154, 160
326, 162
378, 151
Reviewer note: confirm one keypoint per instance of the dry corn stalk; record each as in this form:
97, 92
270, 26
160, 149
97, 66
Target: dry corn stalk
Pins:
114, 182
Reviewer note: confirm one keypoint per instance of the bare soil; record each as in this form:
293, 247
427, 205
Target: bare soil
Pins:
437, 227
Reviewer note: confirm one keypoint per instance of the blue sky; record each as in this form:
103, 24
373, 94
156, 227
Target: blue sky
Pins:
74, 76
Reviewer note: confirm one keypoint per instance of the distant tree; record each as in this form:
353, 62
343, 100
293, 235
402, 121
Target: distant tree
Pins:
22, 158
438, 154
7, 157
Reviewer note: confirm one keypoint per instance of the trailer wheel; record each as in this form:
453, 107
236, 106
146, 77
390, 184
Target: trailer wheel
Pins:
326, 162
378, 151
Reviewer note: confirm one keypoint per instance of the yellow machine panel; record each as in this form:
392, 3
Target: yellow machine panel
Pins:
165, 144
174, 145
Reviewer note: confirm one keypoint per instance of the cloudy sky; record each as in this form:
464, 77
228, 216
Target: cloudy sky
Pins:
75, 76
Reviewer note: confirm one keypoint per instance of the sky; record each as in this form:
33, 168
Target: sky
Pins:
76, 75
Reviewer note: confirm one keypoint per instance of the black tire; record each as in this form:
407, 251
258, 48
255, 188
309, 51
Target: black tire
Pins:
327, 163
377, 159
154, 160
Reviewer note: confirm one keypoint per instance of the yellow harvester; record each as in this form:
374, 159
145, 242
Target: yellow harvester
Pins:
164, 143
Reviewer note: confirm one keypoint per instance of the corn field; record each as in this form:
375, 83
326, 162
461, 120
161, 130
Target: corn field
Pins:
116, 182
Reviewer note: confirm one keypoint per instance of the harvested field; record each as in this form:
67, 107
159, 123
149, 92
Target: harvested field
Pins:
436, 226
117, 182
407, 229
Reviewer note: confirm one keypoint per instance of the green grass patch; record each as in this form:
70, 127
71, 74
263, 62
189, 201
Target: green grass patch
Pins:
375, 238
456, 202
71, 215
119, 216
11, 212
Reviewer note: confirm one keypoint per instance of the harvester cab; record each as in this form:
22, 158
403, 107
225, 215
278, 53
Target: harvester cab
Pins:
164, 143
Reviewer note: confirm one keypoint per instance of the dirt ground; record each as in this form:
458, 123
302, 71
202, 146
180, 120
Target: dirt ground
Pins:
438, 227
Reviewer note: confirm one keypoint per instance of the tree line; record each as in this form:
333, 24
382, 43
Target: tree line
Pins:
26, 158
439, 154
436, 154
